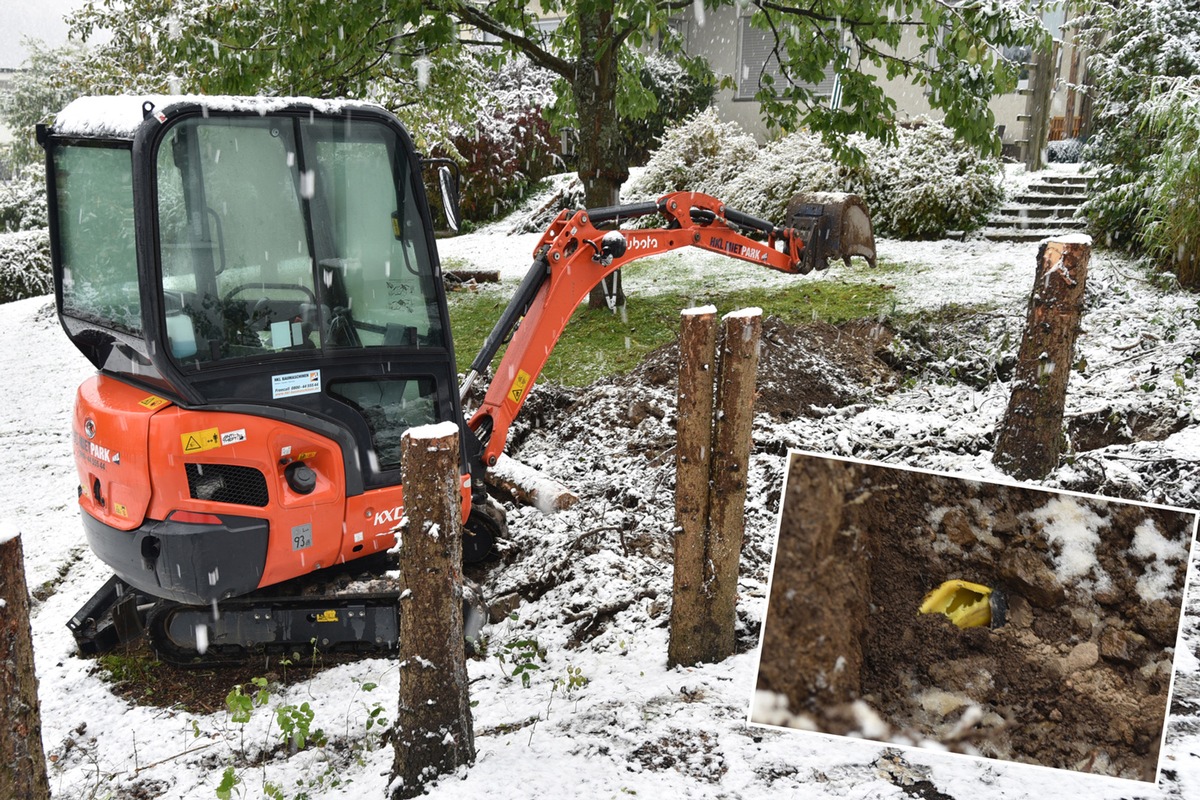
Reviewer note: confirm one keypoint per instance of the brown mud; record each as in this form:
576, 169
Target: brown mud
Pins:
1076, 678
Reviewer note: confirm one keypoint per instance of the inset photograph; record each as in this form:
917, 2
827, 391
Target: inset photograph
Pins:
988, 619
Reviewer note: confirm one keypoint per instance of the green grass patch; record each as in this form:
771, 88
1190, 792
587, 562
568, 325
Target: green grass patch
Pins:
135, 668
597, 343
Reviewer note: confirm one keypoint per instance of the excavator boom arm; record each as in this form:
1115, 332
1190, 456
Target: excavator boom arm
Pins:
574, 256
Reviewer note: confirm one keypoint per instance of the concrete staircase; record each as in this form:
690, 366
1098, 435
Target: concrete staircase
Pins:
1046, 207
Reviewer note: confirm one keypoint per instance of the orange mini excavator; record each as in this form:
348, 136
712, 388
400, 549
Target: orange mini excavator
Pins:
257, 283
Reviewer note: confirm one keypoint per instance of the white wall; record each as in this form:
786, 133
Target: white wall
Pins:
717, 40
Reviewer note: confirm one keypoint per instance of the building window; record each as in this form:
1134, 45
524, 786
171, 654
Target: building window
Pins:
756, 58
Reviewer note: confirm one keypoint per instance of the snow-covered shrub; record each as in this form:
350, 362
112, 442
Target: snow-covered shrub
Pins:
1064, 151
702, 155
929, 183
23, 200
1171, 220
926, 184
510, 148
796, 163
680, 89
24, 265
1130, 45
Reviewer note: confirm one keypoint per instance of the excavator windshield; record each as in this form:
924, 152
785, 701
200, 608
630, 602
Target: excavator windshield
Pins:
287, 233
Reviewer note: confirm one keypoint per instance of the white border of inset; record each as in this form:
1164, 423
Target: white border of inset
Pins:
1190, 579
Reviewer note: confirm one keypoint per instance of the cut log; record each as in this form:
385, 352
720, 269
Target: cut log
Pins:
22, 760
529, 486
1030, 437
693, 452
741, 332
433, 732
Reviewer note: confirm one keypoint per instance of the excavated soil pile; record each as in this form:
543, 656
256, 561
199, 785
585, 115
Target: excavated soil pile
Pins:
803, 369
1077, 676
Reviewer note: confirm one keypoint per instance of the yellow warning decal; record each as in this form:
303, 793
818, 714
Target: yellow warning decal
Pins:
328, 616
518, 386
120, 510
199, 441
307, 454
153, 401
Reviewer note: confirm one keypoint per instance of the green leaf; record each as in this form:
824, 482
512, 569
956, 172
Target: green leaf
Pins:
229, 779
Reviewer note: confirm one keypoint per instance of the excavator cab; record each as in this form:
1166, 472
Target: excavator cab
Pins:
257, 284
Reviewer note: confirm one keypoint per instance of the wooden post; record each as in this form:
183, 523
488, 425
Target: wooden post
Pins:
693, 450
434, 733
814, 552
1029, 440
22, 760
713, 460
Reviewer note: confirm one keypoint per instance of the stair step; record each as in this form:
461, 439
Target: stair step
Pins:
1036, 212
1075, 180
1047, 223
1015, 235
1041, 187
1032, 199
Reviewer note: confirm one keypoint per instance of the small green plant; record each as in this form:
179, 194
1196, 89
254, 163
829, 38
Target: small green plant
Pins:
295, 725
294, 730
241, 705
574, 680
375, 726
523, 655
229, 780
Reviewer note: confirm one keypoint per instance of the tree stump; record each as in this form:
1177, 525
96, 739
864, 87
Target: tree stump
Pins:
702, 629
1030, 438
22, 760
693, 435
433, 733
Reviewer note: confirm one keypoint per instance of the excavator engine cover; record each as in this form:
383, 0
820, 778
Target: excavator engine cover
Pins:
832, 225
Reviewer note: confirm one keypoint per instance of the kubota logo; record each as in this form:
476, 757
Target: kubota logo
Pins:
391, 516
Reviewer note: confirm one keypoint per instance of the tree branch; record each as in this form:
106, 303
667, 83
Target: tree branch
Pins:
489, 24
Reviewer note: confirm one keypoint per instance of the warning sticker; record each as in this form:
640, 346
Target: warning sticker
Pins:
120, 510
153, 401
295, 383
307, 454
199, 441
518, 386
328, 616
231, 437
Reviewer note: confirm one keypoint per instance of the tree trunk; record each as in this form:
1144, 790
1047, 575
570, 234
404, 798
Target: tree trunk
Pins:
22, 760
434, 733
835, 573
693, 434
1030, 438
740, 335
1042, 80
603, 163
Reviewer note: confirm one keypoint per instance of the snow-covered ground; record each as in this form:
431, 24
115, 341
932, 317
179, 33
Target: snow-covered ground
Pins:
601, 580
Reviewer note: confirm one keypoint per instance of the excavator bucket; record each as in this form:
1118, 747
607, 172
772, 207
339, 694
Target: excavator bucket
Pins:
831, 225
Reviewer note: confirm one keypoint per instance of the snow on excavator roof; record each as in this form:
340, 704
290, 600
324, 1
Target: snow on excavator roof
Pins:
118, 116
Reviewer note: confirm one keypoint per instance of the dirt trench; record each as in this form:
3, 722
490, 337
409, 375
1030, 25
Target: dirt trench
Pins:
1077, 677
